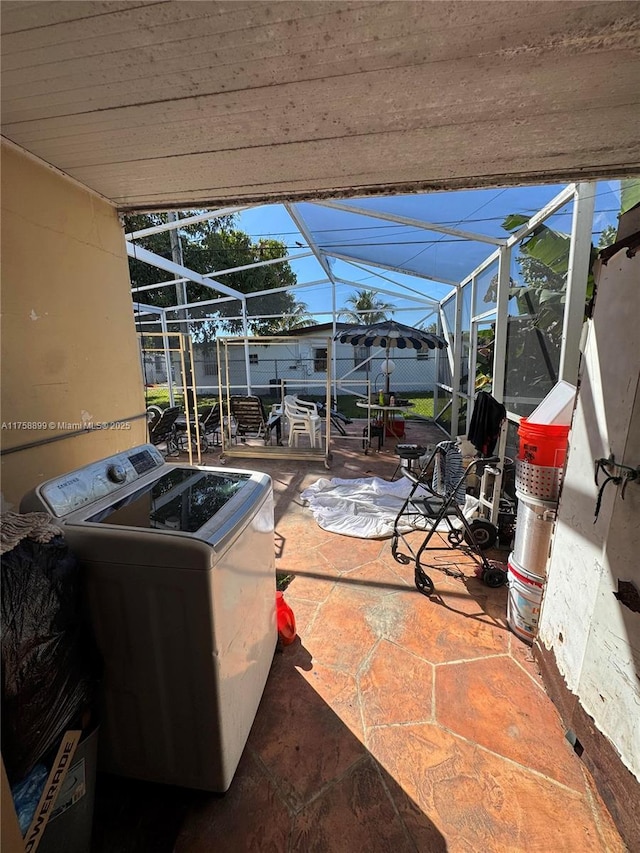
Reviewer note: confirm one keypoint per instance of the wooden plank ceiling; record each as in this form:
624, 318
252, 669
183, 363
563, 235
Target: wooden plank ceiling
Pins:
160, 104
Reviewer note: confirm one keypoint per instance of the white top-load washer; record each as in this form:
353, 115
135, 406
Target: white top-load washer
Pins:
180, 572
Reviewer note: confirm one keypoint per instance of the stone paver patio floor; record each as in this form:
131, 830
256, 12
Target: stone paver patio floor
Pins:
395, 722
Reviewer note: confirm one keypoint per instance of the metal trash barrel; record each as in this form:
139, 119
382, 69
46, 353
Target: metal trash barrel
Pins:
534, 530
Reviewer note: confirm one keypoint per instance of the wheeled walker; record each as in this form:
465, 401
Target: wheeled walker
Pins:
428, 506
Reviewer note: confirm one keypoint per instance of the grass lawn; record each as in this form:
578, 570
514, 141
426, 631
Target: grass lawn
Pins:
158, 396
422, 402
422, 405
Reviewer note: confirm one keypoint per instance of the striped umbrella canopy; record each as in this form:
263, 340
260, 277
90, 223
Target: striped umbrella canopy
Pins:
388, 334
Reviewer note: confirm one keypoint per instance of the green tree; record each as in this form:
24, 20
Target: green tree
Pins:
607, 236
217, 245
366, 307
298, 318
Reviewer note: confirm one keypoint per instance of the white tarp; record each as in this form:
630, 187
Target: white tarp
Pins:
364, 507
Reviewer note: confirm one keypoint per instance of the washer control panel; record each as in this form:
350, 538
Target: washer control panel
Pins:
117, 473
63, 495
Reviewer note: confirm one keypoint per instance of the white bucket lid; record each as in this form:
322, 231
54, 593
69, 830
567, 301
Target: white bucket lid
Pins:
531, 501
557, 406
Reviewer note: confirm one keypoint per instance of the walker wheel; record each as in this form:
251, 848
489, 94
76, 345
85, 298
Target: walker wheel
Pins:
494, 577
455, 537
424, 583
485, 534
397, 556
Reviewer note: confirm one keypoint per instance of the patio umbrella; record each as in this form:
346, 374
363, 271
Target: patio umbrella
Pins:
388, 334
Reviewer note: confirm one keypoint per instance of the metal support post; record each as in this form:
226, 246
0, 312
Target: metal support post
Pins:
194, 394
327, 446
437, 368
473, 356
502, 324
183, 373
577, 276
245, 332
334, 366
167, 357
176, 257
457, 366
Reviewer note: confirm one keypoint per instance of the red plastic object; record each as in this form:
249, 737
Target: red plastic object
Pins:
395, 428
543, 444
286, 620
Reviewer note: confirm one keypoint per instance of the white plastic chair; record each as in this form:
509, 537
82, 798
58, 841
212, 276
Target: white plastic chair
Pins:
303, 418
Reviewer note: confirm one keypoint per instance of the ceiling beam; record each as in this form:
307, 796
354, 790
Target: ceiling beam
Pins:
147, 257
301, 225
563, 197
424, 300
224, 272
401, 270
397, 283
204, 303
143, 308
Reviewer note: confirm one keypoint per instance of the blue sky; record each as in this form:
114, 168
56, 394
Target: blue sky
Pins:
427, 252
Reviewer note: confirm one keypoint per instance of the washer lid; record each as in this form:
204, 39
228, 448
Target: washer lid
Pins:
183, 499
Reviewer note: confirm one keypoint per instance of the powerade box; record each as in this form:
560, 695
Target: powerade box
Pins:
69, 827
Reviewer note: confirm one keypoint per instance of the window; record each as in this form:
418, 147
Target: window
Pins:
253, 358
210, 368
361, 354
423, 354
320, 359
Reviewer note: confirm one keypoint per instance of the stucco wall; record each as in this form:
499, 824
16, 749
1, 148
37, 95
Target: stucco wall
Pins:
69, 347
594, 637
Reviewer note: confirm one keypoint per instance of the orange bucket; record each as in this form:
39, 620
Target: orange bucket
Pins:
543, 444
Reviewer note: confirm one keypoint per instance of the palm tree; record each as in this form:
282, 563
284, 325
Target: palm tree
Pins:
366, 307
297, 318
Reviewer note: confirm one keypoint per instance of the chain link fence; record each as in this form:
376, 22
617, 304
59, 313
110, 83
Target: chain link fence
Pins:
301, 368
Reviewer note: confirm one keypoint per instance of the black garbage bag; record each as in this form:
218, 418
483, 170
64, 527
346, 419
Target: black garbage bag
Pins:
50, 663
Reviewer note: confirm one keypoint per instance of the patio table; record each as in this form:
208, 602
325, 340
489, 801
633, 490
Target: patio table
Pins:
387, 413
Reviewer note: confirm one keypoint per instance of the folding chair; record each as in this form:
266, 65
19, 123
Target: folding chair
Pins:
162, 430
251, 419
210, 423
209, 419
436, 499
338, 420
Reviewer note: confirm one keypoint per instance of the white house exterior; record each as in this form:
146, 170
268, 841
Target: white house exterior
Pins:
302, 364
